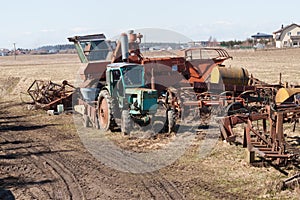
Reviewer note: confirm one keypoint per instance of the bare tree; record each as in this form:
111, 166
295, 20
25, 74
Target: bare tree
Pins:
209, 42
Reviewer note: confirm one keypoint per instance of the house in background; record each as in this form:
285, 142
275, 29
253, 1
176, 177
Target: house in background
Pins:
288, 36
4, 52
262, 39
262, 36
198, 44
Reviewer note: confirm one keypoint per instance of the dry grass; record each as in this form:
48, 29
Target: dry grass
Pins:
17, 75
266, 65
45, 67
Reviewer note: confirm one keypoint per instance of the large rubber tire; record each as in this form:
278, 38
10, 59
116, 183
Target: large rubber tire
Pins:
104, 111
158, 126
171, 120
159, 121
126, 122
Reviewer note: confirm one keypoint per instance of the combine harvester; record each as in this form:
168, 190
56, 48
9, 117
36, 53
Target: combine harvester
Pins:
187, 87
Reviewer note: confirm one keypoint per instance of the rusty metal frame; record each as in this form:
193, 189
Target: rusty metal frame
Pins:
269, 143
222, 53
47, 94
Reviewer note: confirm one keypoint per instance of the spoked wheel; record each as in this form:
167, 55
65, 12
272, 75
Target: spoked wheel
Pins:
250, 96
105, 116
235, 108
126, 122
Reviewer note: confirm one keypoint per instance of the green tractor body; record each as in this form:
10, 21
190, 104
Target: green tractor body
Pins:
126, 85
142, 100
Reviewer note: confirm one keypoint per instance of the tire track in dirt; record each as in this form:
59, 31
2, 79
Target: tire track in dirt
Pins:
153, 184
39, 190
60, 182
96, 180
160, 188
63, 183
25, 167
157, 186
73, 187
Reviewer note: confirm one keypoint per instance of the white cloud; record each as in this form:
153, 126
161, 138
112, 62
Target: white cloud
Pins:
223, 23
27, 33
47, 30
80, 29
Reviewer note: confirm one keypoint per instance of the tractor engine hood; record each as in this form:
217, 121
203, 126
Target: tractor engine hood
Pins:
142, 100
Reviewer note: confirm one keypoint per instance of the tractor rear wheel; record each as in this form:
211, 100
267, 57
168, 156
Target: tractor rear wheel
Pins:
105, 116
126, 122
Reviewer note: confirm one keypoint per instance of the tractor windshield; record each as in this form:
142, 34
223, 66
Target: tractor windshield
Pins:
133, 75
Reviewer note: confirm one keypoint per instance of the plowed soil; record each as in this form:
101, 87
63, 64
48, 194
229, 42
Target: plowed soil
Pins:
43, 157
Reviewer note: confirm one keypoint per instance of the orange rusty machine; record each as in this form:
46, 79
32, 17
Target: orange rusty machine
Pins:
191, 84
182, 80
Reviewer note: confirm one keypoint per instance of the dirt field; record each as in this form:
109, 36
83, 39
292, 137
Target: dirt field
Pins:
266, 65
44, 157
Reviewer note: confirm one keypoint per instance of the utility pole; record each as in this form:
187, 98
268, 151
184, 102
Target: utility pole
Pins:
145, 46
15, 51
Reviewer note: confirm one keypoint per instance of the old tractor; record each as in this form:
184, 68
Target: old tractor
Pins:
124, 96
115, 93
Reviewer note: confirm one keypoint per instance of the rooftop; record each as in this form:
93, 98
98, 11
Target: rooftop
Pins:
286, 27
262, 35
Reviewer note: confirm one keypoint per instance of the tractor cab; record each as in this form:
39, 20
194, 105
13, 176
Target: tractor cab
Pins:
126, 84
123, 75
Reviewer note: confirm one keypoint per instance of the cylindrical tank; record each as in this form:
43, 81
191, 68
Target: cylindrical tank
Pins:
284, 94
229, 76
124, 46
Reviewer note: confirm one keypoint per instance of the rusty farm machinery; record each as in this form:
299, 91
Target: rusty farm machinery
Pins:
47, 94
183, 74
190, 86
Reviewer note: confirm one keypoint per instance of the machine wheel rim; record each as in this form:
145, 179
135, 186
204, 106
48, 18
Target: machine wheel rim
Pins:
103, 114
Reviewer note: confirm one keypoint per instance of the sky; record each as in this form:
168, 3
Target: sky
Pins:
35, 23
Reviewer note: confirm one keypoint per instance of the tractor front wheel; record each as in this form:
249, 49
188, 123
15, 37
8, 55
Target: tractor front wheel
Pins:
126, 122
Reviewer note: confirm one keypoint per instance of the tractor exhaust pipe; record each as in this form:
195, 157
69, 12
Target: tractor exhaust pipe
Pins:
124, 47
152, 80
